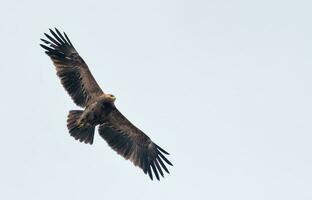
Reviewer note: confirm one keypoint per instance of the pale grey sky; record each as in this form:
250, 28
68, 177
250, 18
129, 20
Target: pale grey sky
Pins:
224, 86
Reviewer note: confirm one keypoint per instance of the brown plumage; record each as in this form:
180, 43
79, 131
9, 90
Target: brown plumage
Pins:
99, 109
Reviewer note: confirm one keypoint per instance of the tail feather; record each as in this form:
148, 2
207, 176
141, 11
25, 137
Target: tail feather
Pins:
83, 134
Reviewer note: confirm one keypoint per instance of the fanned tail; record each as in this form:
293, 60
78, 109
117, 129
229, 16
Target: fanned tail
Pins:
82, 133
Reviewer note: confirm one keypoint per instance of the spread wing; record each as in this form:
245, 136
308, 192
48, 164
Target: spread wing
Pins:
72, 70
133, 144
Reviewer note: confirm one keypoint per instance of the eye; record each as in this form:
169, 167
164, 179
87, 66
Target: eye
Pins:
112, 95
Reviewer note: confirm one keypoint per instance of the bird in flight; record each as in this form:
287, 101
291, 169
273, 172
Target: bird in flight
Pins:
99, 109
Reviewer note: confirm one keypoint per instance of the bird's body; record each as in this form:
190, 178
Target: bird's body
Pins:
96, 112
99, 109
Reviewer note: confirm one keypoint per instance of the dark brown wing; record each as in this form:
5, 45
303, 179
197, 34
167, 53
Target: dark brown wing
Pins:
130, 142
71, 69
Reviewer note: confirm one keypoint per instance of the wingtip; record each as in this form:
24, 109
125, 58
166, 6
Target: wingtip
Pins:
162, 150
67, 38
159, 168
164, 158
57, 30
43, 46
46, 47
150, 172
45, 41
155, 171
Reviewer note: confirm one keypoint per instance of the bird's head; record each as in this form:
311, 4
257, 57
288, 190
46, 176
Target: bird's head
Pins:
110, 98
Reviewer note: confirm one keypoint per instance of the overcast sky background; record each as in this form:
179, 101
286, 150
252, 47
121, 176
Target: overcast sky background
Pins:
224, 86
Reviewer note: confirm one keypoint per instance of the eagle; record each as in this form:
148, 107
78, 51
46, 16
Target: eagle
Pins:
99, 109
